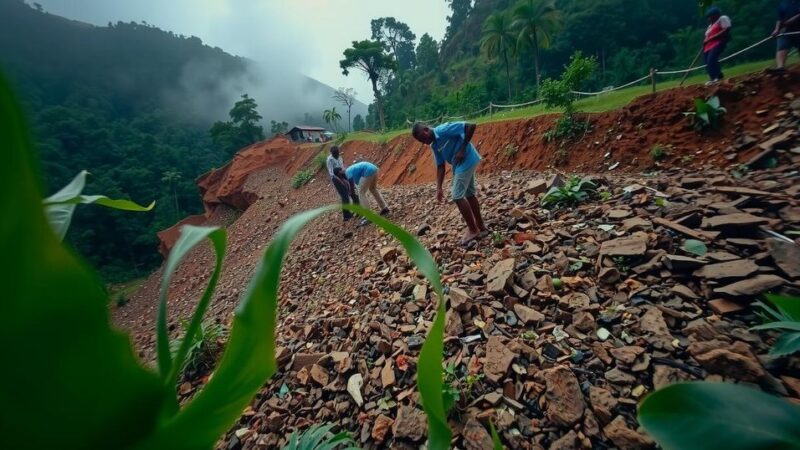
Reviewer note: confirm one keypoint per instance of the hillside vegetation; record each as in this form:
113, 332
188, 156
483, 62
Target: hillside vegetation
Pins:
466, 71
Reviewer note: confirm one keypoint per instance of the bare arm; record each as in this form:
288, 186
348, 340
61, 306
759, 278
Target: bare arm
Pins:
469, 131
439, 182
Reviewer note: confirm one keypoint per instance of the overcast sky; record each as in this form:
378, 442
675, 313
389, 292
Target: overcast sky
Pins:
307, 35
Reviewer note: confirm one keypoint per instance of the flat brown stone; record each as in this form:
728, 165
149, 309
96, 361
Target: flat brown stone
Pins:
498, 359
565, 403
735, 220
752, 286
731, 269
723, 306
499, 276
696, 234
786, 256
633, 245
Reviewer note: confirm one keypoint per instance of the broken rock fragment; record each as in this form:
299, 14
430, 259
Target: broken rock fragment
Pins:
499, 276
565, 403
498, 359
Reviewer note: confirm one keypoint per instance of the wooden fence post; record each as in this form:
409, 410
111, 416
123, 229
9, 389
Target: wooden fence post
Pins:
653, 78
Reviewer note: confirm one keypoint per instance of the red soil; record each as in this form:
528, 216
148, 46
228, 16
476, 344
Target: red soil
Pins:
624, 136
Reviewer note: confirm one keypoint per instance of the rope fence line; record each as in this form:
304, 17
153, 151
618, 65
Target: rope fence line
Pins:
651, 76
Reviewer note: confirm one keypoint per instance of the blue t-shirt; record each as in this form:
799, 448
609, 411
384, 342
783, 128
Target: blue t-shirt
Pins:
360, 170
449, 137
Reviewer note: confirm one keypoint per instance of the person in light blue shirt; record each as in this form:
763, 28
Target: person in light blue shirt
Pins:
451, 143
364, 175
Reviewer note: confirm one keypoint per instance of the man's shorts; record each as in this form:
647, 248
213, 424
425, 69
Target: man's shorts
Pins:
787, 42
464, 184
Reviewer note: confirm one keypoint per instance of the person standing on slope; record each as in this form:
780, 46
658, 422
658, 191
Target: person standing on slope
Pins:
334, 162
451, 143
788, 22
717, 37
364, 175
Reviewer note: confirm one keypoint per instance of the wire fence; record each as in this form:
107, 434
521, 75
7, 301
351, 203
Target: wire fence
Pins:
652, 77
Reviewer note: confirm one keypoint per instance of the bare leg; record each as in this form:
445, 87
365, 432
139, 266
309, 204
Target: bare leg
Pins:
476, 212
373, 188
466, 212
780, 58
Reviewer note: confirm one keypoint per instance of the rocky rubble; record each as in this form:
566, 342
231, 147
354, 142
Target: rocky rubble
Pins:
558, 324
558, 364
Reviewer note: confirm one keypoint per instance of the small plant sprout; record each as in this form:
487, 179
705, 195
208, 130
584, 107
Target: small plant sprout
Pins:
706, 114
498, 239
511, 151
573, 192
658, 152
605, 195
661, 202
302, 177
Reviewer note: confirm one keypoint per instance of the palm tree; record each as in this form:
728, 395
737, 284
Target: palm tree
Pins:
499, 39
332, 117
536, 21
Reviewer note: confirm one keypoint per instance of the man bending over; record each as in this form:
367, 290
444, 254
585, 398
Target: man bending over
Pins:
364, 175
450, 143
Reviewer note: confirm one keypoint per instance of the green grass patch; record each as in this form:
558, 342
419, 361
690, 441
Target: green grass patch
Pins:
600, 103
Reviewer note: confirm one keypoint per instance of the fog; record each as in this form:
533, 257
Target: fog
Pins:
284, 38
281, 94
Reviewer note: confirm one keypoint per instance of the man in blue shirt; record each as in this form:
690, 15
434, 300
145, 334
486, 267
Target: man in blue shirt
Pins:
450, 143
364, 175
788, 22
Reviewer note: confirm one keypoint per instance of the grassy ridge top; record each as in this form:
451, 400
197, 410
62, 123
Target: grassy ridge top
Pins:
601, 103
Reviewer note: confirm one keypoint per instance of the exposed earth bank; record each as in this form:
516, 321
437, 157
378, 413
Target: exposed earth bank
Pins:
553, 364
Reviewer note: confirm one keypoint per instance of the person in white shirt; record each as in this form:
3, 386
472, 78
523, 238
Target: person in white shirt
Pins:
334, 162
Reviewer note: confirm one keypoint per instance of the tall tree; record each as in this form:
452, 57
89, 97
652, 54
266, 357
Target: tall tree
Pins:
427, 54
278, 127
370, 58
242, 130
536, 21
346, 97
244, 114
332, 117
398, 39
499, 40
461, 10
358, 123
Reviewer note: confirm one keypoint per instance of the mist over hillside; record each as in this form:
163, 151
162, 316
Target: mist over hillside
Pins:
142, 66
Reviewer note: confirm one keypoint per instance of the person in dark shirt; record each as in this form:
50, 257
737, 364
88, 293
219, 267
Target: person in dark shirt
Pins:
788, 22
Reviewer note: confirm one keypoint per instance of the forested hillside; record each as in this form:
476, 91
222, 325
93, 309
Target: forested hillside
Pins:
130, 103
627, 37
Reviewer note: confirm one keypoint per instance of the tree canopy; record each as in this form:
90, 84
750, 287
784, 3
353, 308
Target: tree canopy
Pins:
370, 58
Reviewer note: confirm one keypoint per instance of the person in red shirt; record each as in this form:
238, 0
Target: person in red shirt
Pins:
717, 37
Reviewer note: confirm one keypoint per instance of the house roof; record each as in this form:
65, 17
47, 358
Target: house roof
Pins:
306, 128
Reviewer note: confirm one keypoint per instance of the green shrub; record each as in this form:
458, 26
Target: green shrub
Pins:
511, 151
56, 329
302, 177
559, 94
320, 160
706, 114
658, 152
573, 192
204, 349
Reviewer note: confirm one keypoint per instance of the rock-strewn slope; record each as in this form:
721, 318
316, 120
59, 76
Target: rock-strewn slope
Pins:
553, 364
